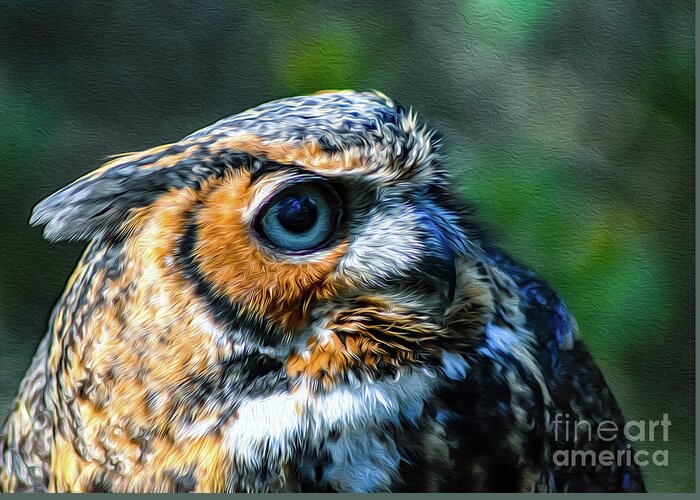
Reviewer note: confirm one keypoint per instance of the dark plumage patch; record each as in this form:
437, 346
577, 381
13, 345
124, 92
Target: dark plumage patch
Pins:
99, 484
182, 482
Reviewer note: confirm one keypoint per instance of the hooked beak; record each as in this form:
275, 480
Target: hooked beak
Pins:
438, 266
440, 270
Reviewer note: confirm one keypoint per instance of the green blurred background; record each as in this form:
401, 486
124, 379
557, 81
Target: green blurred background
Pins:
569, 125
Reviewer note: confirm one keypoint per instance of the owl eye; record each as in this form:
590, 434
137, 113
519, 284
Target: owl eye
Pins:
301, 218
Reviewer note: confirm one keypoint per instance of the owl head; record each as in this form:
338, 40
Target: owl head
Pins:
324, 222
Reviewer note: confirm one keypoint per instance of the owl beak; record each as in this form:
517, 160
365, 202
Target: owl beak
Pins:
439, 267
451, 282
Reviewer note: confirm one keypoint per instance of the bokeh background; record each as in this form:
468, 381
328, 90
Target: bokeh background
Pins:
569, 126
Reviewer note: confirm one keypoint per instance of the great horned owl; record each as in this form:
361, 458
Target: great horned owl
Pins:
295, 299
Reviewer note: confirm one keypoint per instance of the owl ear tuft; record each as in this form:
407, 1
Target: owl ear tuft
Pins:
98, 203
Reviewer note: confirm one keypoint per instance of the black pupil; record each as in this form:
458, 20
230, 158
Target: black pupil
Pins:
297, 213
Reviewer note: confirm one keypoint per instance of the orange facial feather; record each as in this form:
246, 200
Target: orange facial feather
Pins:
236, 265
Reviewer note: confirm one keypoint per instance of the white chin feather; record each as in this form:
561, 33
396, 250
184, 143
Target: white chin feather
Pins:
359, 459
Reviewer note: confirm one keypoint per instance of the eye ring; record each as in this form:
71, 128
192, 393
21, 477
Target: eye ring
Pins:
300, 219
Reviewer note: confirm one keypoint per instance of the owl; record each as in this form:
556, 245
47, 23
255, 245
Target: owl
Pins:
296, 299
